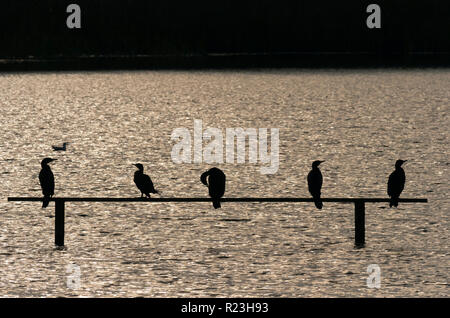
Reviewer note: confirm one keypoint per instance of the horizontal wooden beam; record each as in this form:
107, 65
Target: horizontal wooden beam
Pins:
155, 200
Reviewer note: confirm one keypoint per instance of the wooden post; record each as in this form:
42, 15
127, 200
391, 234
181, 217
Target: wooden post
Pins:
59, 222
360, 226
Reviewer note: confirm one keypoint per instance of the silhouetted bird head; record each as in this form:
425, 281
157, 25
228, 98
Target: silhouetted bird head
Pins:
316, 163
139, 166
399, 163
46, 161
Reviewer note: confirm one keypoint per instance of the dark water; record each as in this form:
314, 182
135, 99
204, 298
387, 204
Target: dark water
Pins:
360, 122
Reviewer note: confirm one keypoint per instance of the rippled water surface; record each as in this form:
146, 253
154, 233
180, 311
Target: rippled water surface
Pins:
359, 121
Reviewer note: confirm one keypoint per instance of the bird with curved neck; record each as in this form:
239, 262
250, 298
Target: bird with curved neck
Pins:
47, 181
215, 180
315, 180
143, 181
396, 183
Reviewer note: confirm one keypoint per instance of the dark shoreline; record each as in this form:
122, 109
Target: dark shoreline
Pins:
228, 61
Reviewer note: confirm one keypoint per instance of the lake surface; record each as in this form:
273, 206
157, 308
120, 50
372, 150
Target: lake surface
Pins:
359, 121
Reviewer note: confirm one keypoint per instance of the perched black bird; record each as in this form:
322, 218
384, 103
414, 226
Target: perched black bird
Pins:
215, 183
396, 183
143, 181
47, 181
315, 180
63, 148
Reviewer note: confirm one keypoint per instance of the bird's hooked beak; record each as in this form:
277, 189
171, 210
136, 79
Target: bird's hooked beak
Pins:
53, 160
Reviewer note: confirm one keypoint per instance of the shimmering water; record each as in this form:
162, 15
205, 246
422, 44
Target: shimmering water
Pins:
359, 121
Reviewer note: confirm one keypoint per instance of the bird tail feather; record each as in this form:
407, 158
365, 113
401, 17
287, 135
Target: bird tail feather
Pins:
393, 202
216, 204
45, 202
318, 203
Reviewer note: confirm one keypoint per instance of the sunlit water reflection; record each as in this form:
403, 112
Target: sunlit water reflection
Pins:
359, 121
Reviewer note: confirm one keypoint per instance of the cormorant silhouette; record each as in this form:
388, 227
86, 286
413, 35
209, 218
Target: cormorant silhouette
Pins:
215, 183
143, 181
396, 183
315, 180
63, 148
47, 181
